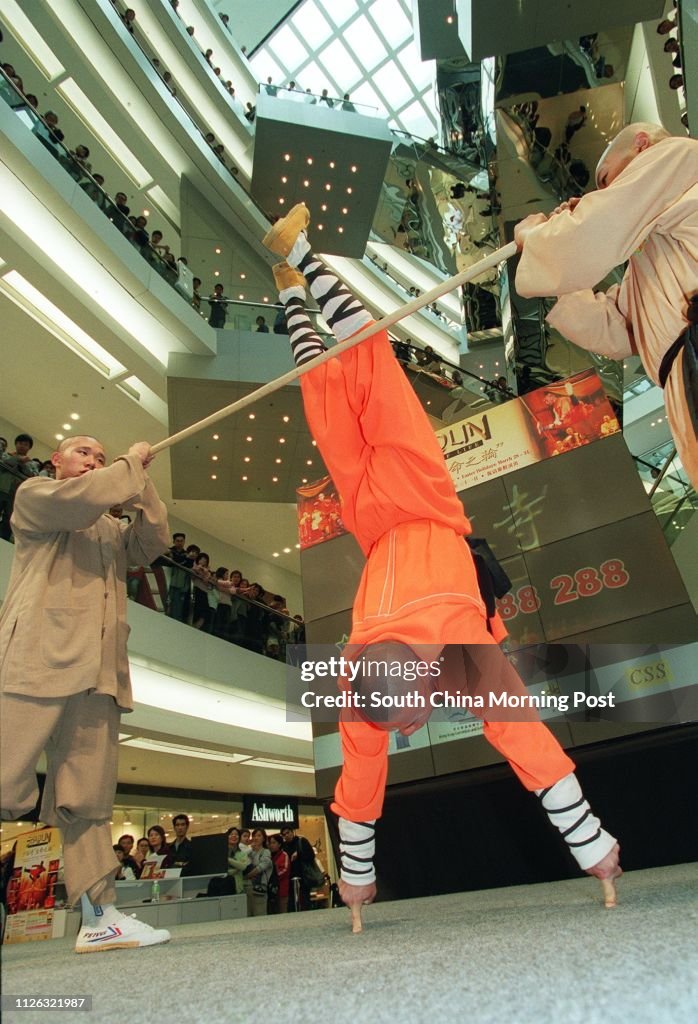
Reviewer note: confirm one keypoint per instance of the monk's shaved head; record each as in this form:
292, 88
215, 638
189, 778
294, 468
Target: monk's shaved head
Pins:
628, 143
77, 455
70, 442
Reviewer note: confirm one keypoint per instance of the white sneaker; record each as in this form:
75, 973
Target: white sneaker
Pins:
120, 932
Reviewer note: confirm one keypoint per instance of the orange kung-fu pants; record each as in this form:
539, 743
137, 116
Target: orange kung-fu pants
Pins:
419, 584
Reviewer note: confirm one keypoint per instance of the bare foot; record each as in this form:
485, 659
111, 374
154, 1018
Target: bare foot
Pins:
355, 896
607, 870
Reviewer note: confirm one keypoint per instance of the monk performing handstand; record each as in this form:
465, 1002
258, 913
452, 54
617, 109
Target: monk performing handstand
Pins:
419, 585
645, 211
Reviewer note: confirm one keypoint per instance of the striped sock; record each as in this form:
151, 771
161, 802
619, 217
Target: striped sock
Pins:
570, 813
305, 344
341, 310
357, 847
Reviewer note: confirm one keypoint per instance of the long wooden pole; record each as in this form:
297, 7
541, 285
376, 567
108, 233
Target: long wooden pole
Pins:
381, 325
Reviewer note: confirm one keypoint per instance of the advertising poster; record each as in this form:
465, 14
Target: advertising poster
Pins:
550, 421
319, 513
31, 897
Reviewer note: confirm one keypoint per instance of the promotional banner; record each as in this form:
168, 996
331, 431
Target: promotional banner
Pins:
31, 897
550, 421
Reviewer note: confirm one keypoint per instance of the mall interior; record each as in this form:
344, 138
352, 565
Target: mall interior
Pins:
145, 153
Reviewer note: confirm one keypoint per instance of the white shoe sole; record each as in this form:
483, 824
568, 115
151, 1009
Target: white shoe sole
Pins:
105, 947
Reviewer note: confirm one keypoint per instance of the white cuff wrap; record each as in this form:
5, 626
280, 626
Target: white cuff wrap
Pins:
357, 847
570, 813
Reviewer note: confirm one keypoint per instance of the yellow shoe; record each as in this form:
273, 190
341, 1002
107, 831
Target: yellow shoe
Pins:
283, 234
286, 276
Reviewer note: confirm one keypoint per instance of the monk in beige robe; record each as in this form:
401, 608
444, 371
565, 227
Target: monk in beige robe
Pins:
646, 212
64, 672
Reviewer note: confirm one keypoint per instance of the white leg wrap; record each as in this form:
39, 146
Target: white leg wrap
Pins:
294, 292
570, 813
300, 247
357, 847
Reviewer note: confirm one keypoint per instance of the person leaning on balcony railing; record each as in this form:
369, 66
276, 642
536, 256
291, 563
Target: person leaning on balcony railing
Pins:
217, 302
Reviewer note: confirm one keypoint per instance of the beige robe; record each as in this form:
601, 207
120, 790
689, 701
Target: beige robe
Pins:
649, 216
63, 624
63, 665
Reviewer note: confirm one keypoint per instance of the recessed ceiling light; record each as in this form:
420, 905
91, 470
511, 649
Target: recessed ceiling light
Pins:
341, 230
243, 276
214, 458
298, 545
284, 179
217, 251
286, 418
282, 201
449, 19
282, 440
328, 187
247, 459
349, 190
216, 437
324, 206
74, 416
287, 551
216, 273
278, 462
319, 227
248, 438
213, 476
332, 164
67, 426
241, 296
287, 157
309, 160
252, 416
353, 169
314, 443
308, 462
275, 554
146, 213
304, 480
59, 437
345, 209
306, 183
275, 479
244, 478
265, 299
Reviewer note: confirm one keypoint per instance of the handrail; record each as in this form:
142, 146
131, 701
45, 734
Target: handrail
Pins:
662, 471
213, 585
331, 102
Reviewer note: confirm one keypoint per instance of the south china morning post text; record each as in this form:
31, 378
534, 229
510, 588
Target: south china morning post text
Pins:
324, 682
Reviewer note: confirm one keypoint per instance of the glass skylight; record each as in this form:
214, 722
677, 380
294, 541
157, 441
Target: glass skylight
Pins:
363, 47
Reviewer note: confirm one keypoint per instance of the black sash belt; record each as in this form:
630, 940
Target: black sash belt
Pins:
688, 343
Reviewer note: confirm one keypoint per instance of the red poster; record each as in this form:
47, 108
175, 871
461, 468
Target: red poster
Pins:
570, 413
319, 513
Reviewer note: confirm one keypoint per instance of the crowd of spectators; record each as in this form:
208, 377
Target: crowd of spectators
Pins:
76, 163
129, 18
224, 603
426, 359
16, 466
276, 873
670, 28
295, 92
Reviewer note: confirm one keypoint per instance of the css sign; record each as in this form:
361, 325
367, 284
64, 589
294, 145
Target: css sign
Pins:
653, 674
